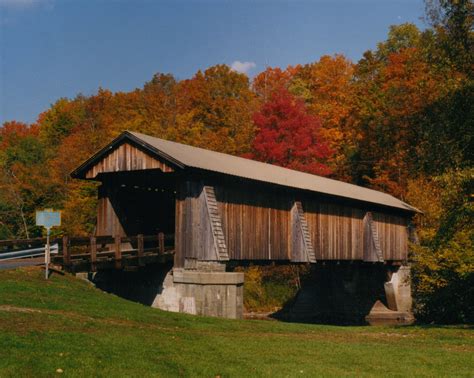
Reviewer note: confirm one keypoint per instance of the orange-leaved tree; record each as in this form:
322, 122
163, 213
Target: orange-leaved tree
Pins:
214, 110
327, 88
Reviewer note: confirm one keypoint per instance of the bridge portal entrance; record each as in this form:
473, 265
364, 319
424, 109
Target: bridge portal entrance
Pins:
133, 203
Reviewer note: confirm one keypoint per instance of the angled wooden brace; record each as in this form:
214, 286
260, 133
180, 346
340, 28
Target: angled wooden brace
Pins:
372, 250
302, 246
216, 224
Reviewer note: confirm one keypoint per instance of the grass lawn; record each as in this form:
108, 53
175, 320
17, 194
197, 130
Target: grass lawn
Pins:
67, 324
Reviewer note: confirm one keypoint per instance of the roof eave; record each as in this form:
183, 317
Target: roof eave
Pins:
404, 208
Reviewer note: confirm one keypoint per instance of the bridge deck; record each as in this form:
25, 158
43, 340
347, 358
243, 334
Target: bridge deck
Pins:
129, 260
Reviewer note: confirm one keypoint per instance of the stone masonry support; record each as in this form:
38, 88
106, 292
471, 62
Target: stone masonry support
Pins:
399, 300
210, 292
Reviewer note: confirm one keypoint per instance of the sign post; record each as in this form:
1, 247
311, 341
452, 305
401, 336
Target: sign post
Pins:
48, 218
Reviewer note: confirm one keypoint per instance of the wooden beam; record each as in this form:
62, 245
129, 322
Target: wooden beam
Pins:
161, 243
118, 252
372, 249
302, 245
140, 249
66, 252
216, 224
93, 245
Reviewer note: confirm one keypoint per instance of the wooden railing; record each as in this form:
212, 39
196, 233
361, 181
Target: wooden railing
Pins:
7, 245
91, 253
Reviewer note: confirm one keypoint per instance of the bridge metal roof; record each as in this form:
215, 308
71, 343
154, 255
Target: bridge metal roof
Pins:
188, 156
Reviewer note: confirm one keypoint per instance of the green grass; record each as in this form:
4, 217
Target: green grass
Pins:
67, 324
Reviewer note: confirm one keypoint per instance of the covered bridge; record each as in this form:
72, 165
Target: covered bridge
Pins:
224, 208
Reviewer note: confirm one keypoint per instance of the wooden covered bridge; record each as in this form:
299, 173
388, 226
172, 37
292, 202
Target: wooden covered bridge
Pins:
223, 208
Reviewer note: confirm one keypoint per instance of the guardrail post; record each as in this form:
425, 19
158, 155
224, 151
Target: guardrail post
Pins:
93, 244
118, 252
140, 249
66, 252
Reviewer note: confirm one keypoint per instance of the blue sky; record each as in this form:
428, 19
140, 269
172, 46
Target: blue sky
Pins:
59, 48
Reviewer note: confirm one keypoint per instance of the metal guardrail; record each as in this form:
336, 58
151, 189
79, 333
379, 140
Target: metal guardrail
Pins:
33, 252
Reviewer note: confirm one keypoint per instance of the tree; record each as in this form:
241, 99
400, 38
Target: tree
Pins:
453, 21
443, 261
214, 110
288, 136
390, 95
328, 84
23, 179
446, 137
272, 80
60, 119
158, 99
400, 37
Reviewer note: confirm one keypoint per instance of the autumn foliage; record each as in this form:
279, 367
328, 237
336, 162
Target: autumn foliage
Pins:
288, 136
399, 120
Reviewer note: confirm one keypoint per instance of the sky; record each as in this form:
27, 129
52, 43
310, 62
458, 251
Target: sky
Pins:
59, 48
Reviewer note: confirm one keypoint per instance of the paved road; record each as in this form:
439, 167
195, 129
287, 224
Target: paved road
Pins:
13, 264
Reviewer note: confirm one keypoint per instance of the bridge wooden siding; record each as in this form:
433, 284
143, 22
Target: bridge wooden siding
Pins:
260, 223
222, 207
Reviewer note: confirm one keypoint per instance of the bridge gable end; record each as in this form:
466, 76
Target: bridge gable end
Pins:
126, 153
127, 157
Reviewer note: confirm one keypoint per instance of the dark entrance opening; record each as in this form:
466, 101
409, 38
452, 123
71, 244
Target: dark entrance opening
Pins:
146, 210
144, 201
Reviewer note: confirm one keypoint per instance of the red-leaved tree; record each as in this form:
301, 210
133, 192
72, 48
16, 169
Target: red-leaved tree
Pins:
288, 136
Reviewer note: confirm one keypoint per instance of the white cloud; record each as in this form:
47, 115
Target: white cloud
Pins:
243, 67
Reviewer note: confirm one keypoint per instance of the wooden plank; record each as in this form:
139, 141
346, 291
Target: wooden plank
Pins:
118, 252
13, 242
93, 250
140, 250
179, 230
66, 251
324, 227
161, 243
357, 248
108, 221
111, 254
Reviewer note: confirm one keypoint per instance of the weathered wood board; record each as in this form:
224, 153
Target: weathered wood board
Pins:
261, 225
127, 158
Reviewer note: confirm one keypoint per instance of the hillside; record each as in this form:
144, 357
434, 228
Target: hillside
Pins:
67, 324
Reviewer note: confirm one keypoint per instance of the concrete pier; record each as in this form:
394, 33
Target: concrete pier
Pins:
352, 294
205, 291
398, 299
